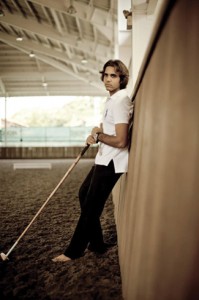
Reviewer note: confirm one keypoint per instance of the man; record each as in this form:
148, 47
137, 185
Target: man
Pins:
110, 163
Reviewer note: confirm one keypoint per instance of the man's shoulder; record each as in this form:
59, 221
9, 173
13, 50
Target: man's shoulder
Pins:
121, 95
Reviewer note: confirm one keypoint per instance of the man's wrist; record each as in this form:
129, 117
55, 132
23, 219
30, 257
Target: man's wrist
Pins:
96, 136
99, 136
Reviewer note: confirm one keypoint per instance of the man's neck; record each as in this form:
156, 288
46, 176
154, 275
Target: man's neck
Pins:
111, 94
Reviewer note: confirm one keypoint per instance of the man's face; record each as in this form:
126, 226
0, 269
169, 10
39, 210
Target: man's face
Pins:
111, 80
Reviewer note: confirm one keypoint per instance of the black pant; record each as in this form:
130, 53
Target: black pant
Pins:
92, 195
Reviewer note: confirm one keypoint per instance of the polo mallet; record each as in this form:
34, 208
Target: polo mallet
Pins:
5, 256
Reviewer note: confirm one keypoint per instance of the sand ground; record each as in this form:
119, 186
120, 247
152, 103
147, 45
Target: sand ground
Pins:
30, 273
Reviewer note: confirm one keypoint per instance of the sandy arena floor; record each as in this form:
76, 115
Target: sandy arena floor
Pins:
30, 273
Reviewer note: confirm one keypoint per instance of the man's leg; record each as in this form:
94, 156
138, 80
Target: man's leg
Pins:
85, 187
109, 179
102, 181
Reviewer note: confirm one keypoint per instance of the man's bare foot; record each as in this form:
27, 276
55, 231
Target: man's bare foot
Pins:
62, 258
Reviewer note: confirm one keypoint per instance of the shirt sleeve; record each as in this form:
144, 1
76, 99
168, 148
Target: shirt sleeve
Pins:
121, 111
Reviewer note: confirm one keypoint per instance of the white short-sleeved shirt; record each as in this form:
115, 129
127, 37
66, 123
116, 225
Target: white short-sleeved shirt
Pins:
118, 109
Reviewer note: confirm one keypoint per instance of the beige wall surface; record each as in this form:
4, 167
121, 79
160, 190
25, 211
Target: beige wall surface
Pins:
158, 210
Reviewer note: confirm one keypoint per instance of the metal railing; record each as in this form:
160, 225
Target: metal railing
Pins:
43, 136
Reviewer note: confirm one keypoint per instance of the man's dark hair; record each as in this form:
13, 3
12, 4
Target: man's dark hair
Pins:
119, 68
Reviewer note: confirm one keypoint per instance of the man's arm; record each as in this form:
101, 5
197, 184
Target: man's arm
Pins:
120, 140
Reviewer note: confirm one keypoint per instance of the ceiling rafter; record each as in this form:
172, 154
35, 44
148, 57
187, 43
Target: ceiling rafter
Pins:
83, 11
65, 69
7, 6
18, 6
70, 56
33, 10
59, 66
46, 30
54, 43
79, 27
90, 11
46, 13
57, 22
39, 49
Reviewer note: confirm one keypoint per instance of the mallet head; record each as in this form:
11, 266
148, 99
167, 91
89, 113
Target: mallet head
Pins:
4, 256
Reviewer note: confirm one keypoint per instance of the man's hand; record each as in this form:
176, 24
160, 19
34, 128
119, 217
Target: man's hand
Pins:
96, 130
90, 140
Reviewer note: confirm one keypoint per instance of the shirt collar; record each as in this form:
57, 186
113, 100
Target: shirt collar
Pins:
119, 93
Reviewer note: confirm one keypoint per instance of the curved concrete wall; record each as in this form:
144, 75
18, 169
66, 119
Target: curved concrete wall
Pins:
157, 202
